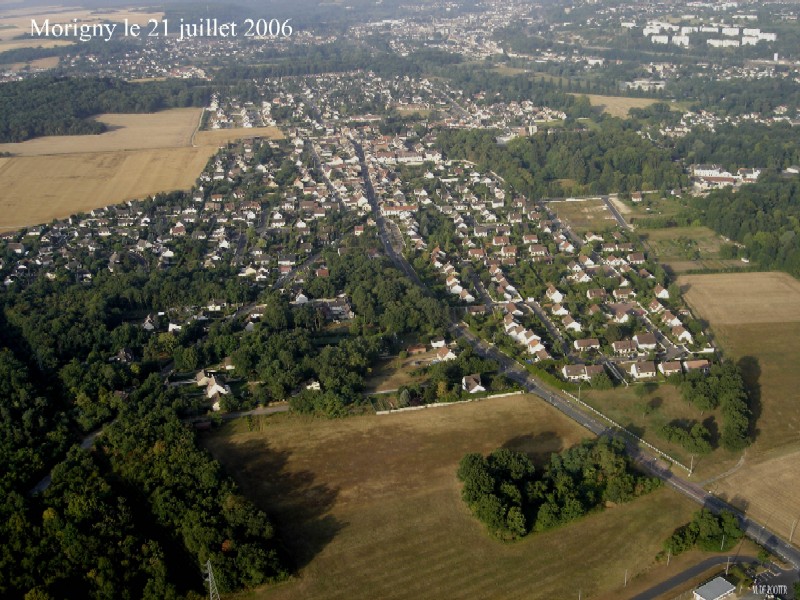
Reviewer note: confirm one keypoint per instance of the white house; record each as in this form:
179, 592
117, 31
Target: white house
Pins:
643, 370
472, 384
445, 354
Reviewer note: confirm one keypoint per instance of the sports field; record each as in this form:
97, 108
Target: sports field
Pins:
142, 154
371, 506
756, 320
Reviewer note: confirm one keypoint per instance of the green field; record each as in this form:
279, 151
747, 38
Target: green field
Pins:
645, 414
652, 206
683, 249
584, 215
371, 507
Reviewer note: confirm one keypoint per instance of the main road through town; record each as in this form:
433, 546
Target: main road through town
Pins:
512, 369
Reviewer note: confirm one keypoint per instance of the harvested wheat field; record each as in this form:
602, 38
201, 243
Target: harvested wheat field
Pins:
618, 106
80, 182
221, 136
740, 298
143, 154
51, 62
755, 318
165, 129
17, 21
370, 507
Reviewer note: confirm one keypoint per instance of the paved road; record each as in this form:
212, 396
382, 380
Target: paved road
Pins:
45, 482
691, 573
536, 308
615, 213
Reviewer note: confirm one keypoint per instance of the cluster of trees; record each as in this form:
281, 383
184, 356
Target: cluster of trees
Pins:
443, 381
339, 57
521, 87
695, 438
763, 216
707, 531
609, 159
512, 498
62, 105
289, 346
723, 387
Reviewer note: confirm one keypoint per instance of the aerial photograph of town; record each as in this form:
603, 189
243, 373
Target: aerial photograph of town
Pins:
400, 299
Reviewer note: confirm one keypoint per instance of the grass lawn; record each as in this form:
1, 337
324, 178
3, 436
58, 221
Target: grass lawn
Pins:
391, 373
618, 106
371, 507
683, 249
651, 207
584, 215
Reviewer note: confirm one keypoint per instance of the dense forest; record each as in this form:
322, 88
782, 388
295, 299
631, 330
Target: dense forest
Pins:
507, 493
764, 216
561, 163
758, 145
732, 98
63, 106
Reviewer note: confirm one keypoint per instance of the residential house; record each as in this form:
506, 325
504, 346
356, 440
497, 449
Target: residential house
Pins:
645, 341
472, 384
643, 370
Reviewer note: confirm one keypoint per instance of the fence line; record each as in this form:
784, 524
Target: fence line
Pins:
442, 404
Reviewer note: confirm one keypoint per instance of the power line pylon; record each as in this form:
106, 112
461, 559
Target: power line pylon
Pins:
213, 592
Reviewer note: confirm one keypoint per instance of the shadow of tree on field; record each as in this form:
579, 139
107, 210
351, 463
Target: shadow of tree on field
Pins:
710, 423
296, 502
751, 374
538, 446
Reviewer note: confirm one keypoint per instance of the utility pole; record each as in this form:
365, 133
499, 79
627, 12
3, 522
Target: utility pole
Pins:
727, 565
791, 534
669, 554
691, 466
722, 545
626, 578
213, 592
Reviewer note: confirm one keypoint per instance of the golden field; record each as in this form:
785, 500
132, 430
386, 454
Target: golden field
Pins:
142, 154
618, 106
17, 21
370, 506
